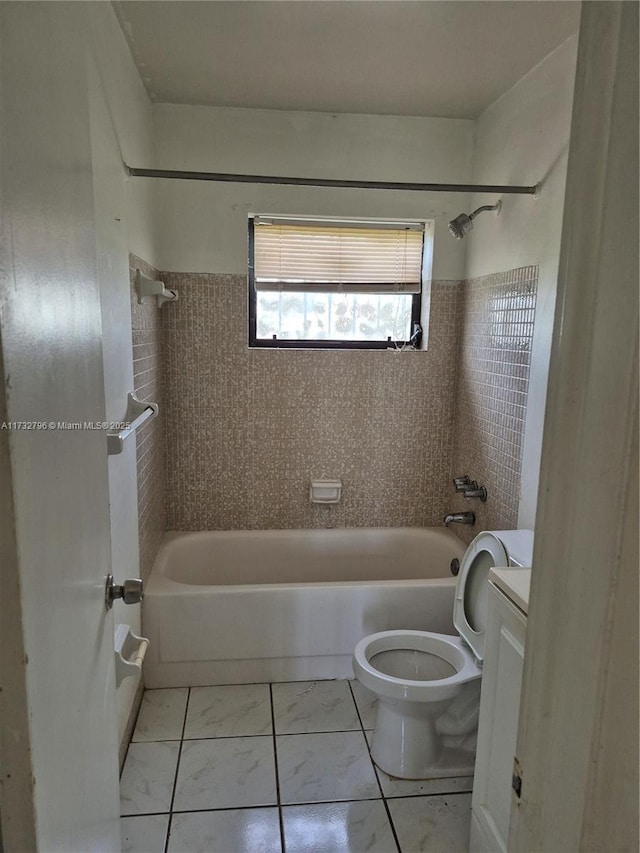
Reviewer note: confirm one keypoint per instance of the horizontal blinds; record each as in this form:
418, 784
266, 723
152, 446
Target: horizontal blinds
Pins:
328, 257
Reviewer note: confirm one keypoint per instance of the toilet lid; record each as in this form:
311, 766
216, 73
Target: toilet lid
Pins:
472, 589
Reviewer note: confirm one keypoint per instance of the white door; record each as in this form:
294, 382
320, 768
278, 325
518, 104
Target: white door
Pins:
578, 728
498, 724
60, 775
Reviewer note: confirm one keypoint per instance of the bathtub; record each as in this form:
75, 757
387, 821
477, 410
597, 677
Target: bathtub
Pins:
237, 607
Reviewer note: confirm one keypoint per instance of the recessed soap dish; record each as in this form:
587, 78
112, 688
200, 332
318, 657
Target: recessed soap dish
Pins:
325, 491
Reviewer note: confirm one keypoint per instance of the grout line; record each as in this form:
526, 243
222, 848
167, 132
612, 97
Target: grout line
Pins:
264, 734
375, 771
175, 779
303, 803
273, 805
275, 761
144, 814
243, 684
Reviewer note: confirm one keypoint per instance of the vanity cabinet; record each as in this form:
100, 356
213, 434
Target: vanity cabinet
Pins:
499, 707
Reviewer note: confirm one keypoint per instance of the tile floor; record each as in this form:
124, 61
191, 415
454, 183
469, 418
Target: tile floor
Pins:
276, 768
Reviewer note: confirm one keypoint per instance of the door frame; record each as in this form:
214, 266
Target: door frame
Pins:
578, 735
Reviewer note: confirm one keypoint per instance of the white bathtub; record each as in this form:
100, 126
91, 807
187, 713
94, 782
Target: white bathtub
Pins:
236, 607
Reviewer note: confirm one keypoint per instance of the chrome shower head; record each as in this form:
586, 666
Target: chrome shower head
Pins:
463, 223
459, 226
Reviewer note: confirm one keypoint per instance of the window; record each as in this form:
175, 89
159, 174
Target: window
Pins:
329, 284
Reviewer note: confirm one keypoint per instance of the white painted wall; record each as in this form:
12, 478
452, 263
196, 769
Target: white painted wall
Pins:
523, 138
202, 226
130, 117
121, 128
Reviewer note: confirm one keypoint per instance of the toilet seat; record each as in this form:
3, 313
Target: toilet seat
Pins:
472, 590
444, 646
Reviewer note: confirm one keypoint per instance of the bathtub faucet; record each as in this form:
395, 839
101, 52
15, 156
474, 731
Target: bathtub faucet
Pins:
460, 518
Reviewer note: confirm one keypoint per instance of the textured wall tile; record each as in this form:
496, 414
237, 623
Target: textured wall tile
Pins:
148, 380
247, 429
244, 430
496, 319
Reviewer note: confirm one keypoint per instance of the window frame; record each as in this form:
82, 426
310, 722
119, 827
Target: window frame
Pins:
319, 343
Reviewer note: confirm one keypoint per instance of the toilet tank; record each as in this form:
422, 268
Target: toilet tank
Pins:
519, 546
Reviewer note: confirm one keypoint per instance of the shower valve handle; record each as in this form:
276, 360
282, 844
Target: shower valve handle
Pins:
461, 483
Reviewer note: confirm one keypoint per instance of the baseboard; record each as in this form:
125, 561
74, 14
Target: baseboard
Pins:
131, 723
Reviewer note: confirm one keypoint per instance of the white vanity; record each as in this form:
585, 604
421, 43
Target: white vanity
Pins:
499, 707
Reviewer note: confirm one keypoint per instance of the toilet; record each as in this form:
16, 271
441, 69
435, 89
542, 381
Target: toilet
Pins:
427, 684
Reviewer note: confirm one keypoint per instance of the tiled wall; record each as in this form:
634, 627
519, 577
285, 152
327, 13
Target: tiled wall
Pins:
247, 429
496, 322
242, 431
147, 340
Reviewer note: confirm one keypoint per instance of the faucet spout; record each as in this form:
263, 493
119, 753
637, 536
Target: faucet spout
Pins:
460, 518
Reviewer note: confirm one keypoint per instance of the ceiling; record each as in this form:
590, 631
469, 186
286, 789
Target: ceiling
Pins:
444, 58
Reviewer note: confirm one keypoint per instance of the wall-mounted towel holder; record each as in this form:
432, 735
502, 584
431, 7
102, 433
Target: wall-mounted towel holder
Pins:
150, 288
138, 413
130, 651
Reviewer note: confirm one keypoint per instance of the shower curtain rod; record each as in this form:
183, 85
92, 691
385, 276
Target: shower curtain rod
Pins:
327, 182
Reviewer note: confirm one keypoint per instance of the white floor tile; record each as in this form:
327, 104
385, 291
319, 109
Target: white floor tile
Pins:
367, 703
314, 706
144, 834
436, 824
226, 773
146, 784
161, 715
232, 831
338, 828
229, 711
325, 767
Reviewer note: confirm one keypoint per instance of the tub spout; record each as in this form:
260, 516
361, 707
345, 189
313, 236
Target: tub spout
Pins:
460, 518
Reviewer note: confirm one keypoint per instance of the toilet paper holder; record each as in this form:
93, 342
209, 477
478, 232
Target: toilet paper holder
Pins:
130, 651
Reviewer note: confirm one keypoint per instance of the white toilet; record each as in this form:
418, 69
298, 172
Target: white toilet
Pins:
428, 685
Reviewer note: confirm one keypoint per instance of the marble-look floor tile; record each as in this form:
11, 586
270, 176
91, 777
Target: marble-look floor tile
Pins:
146, 784
231, 831
437, 824
361, 827
314, 706
367, 703
325, 767
144, 834
229, 711
226, 773
161, 715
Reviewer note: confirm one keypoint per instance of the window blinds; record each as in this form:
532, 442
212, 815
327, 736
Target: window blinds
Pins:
327, 256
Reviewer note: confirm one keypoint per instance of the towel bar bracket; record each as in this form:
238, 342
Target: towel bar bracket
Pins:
138, 413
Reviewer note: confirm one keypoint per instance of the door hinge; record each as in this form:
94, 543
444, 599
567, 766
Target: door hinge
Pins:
516, 779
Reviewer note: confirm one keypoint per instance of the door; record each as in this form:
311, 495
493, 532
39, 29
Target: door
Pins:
498, 724
60, 785
578, 728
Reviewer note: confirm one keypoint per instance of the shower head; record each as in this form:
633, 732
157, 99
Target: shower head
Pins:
460, 225
463, 223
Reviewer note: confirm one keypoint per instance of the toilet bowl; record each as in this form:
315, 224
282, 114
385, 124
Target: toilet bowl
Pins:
428, 684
